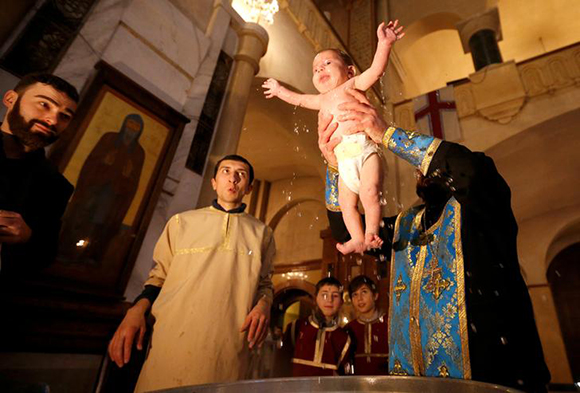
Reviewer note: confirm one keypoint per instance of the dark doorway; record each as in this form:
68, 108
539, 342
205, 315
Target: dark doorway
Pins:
564, 278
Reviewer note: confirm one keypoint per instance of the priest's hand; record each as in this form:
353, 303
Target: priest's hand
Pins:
326, 145
13, 229
257, 322
364, 117
133, 324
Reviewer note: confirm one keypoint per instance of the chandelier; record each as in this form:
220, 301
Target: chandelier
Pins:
256, 10
294, 275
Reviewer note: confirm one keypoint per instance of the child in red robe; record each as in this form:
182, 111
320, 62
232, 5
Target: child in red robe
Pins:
320, 346
370, 329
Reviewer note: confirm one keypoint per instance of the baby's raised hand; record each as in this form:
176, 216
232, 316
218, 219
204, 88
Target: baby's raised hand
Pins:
272, 87
389, 33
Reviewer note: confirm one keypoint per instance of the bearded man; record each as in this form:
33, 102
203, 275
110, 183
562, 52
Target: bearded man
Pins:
33, 194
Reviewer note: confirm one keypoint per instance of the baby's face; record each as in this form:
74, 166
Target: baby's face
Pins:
329, 71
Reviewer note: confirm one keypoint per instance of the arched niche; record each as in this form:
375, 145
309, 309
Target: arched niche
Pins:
288, 293
564, 279
297, 226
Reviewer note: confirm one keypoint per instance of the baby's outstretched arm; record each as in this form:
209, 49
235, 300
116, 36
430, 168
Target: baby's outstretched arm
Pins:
386, 35
274, 89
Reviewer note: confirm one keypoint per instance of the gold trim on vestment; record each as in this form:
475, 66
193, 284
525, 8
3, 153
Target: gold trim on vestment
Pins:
226, 231
414, 314
319, 346
461, 306
344, 350
368, 337
323, 366
388, 135
327, 328
393, 278
429, 156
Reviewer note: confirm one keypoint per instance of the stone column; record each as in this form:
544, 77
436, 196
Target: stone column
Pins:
252, 45
479, 35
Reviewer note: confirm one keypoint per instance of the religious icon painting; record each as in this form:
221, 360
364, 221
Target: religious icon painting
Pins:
116, 155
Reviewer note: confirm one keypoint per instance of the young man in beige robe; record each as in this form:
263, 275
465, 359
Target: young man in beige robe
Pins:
210, 285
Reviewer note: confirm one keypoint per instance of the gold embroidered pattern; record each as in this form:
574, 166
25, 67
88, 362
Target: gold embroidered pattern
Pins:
400, 288
388, 135
429, 156
392, 274
414, 314
443, 371
332, 192
460, 272
225, 244
398, 369
436, 284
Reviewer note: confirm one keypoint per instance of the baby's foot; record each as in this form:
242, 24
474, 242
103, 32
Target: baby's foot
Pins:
352, 245
372, 240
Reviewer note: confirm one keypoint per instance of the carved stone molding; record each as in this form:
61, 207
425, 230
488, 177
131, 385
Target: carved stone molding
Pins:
500, 91
546, 74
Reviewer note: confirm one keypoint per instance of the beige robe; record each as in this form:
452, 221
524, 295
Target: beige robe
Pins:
212, 268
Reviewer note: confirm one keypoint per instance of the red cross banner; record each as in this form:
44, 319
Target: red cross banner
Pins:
436, 114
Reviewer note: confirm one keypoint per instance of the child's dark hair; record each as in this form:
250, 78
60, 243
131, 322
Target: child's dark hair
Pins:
359, 281
47, 79
235, 157
329, 281
343, 55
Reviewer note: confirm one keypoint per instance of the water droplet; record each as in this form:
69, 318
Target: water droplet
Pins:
503, 340
382, 224
382, 258
383, 202
250, 252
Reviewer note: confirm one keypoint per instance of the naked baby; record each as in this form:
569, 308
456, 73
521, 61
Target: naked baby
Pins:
359, 164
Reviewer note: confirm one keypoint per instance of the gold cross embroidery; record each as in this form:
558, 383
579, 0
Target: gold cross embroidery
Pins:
398, 369
400, 288
436, 284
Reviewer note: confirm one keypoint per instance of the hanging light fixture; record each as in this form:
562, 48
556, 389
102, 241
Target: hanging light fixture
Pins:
256, 10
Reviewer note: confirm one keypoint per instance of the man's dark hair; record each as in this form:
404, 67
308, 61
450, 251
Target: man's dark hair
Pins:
235, 157
343, 55
47, 79
359, 281
329, 281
